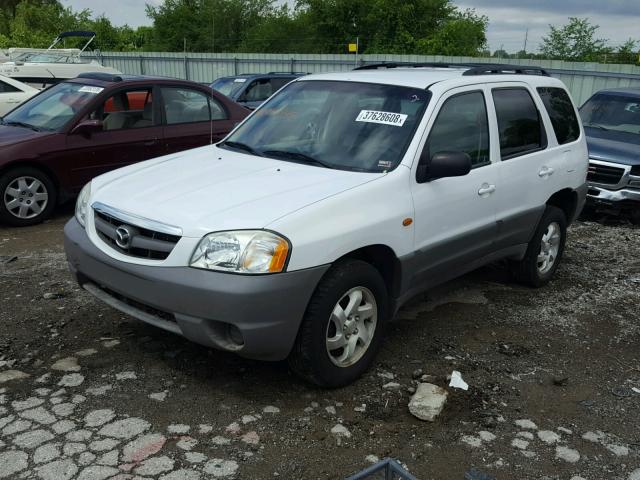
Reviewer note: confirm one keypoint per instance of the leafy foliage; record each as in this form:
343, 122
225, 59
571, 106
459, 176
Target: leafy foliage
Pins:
574, 41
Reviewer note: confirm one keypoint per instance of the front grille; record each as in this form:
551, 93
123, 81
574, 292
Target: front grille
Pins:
635, 170
141, 243
604, 174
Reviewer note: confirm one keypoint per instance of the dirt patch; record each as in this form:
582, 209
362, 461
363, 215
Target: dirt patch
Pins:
564, 357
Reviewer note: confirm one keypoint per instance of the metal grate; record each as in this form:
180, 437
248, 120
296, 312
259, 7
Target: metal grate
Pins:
604, 174
141, 242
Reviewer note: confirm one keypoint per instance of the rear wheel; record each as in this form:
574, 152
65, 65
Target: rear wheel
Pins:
544, 251
343, 327
28, 196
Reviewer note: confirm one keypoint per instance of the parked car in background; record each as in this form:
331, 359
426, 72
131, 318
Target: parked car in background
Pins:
252, 89
13, 93
301, 234
612, 123
55, 142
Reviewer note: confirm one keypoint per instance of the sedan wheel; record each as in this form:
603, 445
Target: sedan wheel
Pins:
26, 197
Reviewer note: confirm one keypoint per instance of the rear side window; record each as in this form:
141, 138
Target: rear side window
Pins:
183, 105
462, 126
519, 123
562, 114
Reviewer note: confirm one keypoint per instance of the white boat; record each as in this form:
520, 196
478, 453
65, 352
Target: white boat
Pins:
41, 68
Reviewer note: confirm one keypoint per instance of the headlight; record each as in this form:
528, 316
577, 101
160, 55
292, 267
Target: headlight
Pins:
82, 204
242, 251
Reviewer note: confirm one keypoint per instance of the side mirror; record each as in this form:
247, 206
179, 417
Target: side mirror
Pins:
88, 127
445, 164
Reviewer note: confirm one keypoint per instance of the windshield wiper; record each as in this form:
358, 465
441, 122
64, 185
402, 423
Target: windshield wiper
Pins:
242, 146
595, 125
285, 154
21, 124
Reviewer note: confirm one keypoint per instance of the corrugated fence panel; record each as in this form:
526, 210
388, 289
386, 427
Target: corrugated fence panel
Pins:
582, 79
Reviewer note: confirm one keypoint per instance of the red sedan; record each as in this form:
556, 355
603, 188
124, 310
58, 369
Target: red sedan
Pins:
57, 141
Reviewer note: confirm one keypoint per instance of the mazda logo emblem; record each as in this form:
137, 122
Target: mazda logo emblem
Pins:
123, 237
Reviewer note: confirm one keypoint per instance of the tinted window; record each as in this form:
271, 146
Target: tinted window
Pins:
462, 126
6, 88
183, 105
519, 124
562, 114
125, 110
259, 91
278, 83
617, 112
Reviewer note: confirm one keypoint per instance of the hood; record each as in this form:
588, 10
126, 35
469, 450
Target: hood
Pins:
211, 189
616, 147
10, 135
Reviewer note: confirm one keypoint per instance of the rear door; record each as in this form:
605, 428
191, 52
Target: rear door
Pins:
455, 218
131, 132
192, 118
527, 164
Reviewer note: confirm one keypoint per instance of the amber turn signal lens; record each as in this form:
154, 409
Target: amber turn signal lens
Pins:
407, 221
279, 257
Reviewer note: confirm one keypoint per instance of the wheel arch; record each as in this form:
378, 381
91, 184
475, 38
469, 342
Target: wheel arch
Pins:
567, 201
384, 259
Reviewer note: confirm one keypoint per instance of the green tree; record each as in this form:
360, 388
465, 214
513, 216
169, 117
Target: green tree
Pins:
628, 52
462, 35
575, 41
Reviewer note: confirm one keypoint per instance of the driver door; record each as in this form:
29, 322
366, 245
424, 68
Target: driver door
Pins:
131, 132
455, 218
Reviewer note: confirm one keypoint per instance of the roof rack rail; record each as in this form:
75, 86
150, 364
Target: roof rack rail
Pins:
473, 68
503, 69
105, 77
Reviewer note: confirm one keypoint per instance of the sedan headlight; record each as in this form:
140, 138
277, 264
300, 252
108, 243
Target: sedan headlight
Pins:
82, 204
242, 251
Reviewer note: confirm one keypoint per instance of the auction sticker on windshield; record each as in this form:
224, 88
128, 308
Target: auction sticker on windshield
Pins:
88, 89
385, 118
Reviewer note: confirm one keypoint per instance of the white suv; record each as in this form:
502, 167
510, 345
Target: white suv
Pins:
301, 234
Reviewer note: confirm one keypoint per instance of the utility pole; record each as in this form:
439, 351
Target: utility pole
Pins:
357, 49
526, 38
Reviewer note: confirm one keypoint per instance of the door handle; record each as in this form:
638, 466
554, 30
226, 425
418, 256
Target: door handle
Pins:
486, 189
545, 172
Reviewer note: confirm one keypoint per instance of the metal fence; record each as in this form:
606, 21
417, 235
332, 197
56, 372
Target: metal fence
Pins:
582, 79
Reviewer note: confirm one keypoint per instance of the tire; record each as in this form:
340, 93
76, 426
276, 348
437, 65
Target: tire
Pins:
311, 357
32, 205
531, 270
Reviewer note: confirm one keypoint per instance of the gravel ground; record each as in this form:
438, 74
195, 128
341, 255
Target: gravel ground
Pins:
554, 377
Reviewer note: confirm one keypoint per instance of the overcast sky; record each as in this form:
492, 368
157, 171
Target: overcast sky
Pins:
508, 19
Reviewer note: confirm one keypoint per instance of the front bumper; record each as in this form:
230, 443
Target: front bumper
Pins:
597, 195
206, 307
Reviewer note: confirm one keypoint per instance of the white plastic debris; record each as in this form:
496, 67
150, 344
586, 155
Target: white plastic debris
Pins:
457, 381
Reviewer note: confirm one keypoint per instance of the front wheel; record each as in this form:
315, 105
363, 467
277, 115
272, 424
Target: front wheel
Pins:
28, 196
343, 326
544, 251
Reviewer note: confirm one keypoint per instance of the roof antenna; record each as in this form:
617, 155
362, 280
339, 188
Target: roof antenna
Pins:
213, 47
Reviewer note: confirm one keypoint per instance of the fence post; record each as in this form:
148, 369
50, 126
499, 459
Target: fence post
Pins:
293, 65
141, 65
186, 67
235, 66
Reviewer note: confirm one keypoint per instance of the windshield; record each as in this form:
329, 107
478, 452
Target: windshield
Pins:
612, 112
228, 86
53, 108
344, 125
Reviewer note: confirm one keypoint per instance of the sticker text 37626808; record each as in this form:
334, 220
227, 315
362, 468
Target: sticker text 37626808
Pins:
385, 118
